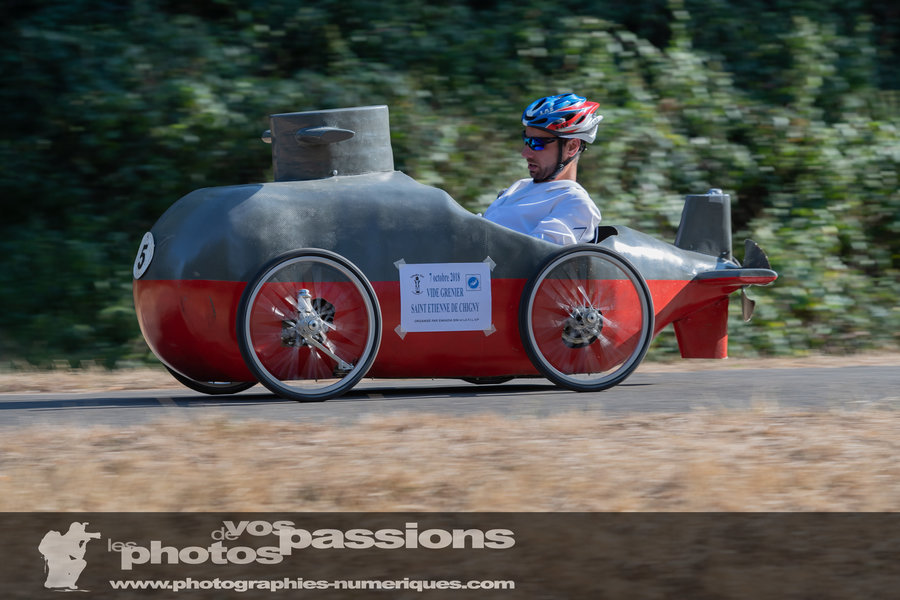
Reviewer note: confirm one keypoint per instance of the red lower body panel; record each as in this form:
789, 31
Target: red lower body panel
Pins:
191, 326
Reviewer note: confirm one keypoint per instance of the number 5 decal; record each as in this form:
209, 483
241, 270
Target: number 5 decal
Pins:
144, 256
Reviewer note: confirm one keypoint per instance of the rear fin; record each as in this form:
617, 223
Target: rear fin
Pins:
754, 257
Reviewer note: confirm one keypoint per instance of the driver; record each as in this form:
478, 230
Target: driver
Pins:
551, 205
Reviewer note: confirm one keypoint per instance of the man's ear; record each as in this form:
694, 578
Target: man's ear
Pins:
572, 147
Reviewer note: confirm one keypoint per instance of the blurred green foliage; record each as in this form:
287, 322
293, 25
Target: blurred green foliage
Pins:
113, 110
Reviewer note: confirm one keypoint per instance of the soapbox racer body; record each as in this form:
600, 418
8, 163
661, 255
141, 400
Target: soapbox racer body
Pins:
309, 283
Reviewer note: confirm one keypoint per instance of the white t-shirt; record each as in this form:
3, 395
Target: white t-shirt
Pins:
557, 211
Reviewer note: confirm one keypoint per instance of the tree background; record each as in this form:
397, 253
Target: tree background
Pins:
114, 110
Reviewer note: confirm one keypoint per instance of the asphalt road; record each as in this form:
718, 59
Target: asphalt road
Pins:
801, 389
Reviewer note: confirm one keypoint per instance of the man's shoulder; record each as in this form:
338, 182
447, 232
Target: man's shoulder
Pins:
517, 187
566, 185
558, 190
520, 185
567, 188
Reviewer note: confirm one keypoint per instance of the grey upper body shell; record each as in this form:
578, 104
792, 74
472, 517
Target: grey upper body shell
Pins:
373, 220
336, 189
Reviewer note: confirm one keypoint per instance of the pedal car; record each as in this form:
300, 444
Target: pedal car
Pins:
343, 268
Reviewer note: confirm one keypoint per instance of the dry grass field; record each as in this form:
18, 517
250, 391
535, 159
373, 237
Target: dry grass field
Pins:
766, 459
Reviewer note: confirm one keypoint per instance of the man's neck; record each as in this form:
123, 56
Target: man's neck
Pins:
568, 174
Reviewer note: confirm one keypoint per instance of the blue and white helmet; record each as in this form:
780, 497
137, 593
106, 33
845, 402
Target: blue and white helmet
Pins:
564, 115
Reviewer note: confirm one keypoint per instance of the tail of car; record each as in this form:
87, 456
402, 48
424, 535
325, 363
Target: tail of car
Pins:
706, 228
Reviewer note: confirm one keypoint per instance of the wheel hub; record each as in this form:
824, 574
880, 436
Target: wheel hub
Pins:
582, 327
310, 329
309, 326
313, 319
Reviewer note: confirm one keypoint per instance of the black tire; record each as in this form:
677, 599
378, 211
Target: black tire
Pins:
318, 351
213, 388
586, 318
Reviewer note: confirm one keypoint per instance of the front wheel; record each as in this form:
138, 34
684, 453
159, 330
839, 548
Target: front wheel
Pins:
309, 325
586, 318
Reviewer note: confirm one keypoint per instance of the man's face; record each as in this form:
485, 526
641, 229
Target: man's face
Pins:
542, 163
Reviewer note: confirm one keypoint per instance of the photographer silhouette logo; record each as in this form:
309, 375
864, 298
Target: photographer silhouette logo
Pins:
64, 556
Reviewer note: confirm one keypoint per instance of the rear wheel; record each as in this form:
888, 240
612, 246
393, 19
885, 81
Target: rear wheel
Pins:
586, 319
309, 325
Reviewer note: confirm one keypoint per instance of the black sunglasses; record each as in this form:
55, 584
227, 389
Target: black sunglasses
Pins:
538, 143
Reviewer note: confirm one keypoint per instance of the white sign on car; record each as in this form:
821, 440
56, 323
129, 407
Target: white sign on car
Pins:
445, 297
